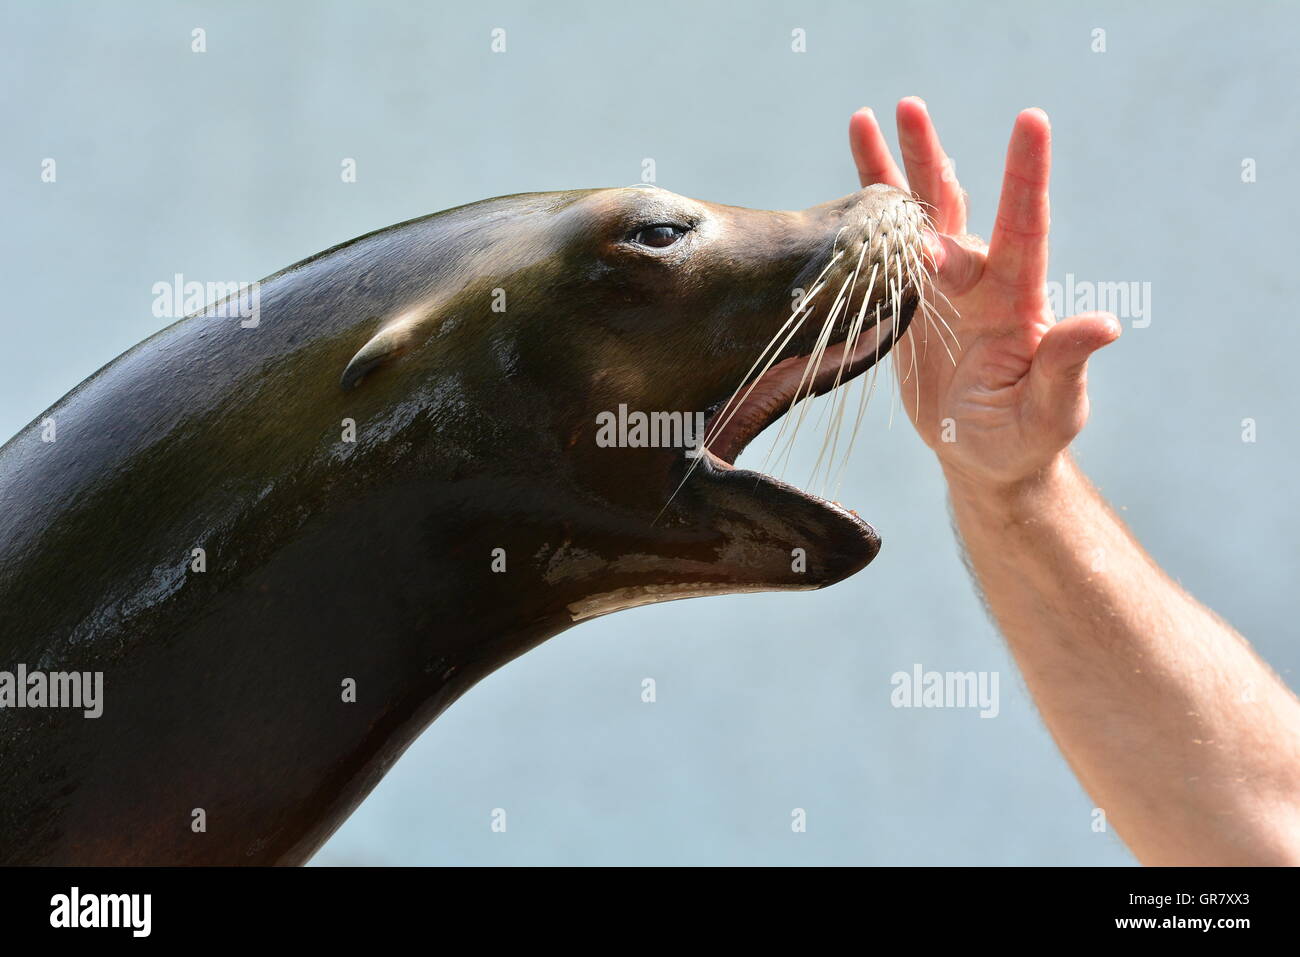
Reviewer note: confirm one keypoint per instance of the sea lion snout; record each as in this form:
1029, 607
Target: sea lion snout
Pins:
858, 265
880, 217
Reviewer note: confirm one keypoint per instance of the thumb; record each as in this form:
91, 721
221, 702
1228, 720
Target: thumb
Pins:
1058, 375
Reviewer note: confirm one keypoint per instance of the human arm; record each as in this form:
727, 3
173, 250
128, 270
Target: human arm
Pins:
1186, 739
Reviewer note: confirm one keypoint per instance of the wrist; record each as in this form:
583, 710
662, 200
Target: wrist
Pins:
1015, 500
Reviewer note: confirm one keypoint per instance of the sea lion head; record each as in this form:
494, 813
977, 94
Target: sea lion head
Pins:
628, 344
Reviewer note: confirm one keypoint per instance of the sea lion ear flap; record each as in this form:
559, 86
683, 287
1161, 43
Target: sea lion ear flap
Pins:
386, 344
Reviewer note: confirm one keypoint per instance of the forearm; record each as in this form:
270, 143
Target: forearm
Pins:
1179, 732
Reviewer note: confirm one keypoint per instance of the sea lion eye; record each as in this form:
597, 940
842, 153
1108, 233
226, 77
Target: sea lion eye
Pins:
657, 237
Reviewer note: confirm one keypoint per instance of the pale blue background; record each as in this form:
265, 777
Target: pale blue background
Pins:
226, 166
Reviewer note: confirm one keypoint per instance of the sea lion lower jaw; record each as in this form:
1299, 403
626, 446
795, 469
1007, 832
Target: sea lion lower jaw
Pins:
396, 484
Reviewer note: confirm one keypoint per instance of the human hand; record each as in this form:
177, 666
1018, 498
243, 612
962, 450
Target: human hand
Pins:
1001, 403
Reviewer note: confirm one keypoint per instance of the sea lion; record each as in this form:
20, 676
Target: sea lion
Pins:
346, 592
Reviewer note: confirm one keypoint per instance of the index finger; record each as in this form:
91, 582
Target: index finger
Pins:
1018, 247
871, 153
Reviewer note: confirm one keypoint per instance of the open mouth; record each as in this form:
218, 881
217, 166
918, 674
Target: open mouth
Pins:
887, 270
876, 273
764, 401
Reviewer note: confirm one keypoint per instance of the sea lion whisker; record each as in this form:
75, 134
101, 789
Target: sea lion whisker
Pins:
893, 392
868, 390
808, 376
804, 306
731, 406
930, 315
848, 341
893, 302
946, 301
913, 369
850, 346
835, 404
918, 272
813, 361
916, 370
